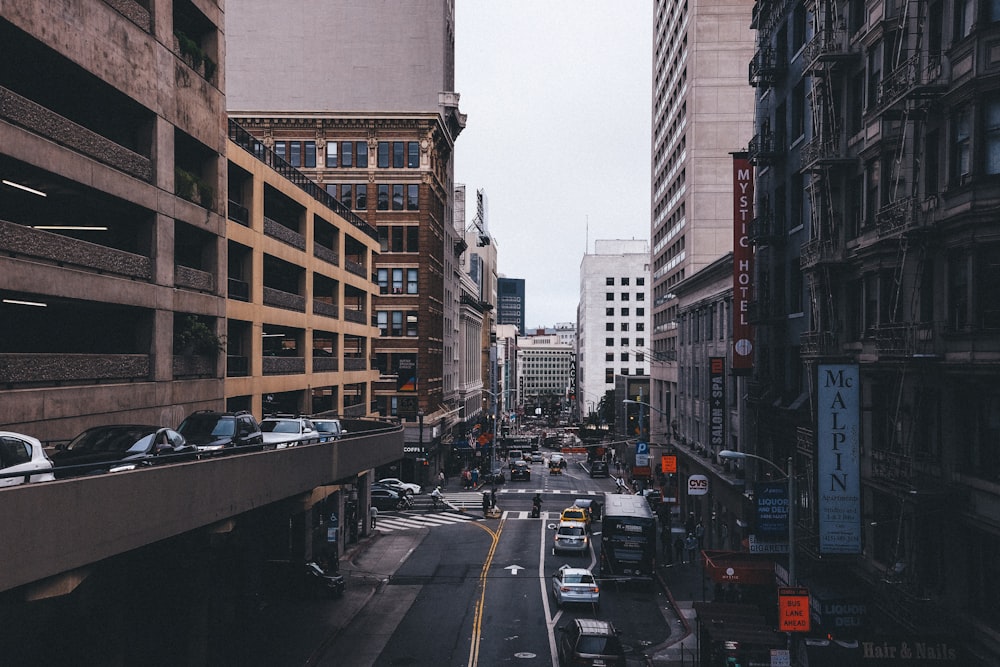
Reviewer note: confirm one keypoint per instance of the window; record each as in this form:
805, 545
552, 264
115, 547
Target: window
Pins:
397, 323
624, 312
295, 153
412, 197
609, 296
397, 197
609, 375
640, 281
411, 323
383, 155
609, 342
281, 150
397, 155
958, 290
798, 28
347, 154
961, 146
872, 200
964, 17
382, 278
623, 356
609, 356
331, 154
625, 296
411, 281
609, 326
609, 281
310, 154
799, 110
412, 238
640, 296
413, 155
624, 281
992, 130
345, 195
874, 77
640, 326
361, 156
624, 342
361, 196
610, 312
640, 312
624, 326
383, 197
382, 317
397, 281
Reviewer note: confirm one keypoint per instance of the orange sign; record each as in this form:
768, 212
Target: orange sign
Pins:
793, 609
668, 464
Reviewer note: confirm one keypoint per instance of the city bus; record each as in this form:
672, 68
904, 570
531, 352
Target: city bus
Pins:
628, 537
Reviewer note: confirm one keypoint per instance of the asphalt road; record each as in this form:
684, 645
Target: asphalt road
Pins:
476, 592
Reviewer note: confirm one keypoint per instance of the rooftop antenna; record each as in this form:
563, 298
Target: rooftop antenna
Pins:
586, 242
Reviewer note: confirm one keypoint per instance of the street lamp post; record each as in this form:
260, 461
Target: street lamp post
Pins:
790, 475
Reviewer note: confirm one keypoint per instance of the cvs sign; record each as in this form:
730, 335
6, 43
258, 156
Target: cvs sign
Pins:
697, 485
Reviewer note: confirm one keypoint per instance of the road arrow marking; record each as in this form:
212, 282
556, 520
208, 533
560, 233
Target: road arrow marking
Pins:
514, 569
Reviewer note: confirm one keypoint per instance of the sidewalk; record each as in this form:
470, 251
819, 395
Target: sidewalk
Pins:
684, 584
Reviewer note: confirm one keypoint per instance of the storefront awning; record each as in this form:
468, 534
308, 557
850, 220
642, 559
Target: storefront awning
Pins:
737, 567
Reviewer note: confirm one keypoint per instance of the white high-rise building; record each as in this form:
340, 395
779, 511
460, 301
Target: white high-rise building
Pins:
613, 318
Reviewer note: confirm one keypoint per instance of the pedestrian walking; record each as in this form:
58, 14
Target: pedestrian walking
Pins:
475, 476
373, 513
493, 497
441, 479
486, 504
690, 547
699, 533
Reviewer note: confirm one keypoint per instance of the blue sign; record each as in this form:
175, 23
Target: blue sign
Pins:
772, 511
838, 455
642, 448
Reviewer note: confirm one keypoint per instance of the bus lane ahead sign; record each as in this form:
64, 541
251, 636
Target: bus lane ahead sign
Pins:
793, 609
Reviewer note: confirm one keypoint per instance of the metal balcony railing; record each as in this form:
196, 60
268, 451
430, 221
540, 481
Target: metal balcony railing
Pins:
897, 217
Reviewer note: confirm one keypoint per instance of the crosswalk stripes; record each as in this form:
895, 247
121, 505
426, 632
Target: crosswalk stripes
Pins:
514, 515
388, 523
555, 492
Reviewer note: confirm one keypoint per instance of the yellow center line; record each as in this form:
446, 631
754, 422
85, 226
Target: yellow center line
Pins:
477, 619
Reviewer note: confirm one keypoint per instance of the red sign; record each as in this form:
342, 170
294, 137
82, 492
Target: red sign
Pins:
743, 340
793, 609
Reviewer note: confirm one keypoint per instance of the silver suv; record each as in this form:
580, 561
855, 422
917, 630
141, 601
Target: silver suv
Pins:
282, 432
571, 536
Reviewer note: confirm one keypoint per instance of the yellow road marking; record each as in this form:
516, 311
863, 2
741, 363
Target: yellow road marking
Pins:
477, 619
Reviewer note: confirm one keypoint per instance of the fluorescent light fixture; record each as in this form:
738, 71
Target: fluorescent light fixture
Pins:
71, 228
24, 187
18, 302
277, 335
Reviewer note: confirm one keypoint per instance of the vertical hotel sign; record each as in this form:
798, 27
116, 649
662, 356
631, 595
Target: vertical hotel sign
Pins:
742, 264
837, 423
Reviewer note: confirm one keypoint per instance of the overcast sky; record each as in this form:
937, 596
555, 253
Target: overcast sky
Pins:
557, 94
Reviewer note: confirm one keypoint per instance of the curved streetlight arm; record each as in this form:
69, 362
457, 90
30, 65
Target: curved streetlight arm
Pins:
629, 401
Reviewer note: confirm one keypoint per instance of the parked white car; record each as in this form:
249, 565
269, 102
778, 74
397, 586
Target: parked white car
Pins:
411, 488
282, 432
23, 454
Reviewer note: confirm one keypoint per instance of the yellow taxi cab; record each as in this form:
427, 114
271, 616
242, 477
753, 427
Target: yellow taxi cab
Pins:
575, 513
555, 469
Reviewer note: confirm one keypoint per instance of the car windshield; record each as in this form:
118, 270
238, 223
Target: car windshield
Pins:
279, 426
578, 579
325, 427
204, 425
599, 645
575, 514
121, 439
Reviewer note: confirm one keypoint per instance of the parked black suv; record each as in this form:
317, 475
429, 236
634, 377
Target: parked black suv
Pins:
599, 469
212, 431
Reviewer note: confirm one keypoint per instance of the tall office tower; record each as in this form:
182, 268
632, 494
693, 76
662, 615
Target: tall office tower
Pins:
510, 302
877, 246
702, 111
112, 213
372, 115
612, 318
